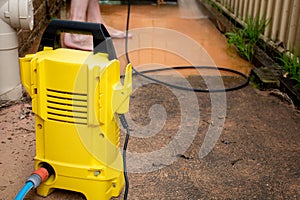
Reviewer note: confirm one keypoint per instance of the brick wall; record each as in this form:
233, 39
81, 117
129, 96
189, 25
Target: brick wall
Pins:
43, 11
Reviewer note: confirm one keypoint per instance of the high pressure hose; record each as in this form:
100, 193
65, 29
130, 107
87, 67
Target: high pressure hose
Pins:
42, 173
33, 181
142, 73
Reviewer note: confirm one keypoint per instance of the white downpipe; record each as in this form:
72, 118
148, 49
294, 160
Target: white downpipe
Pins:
14, 14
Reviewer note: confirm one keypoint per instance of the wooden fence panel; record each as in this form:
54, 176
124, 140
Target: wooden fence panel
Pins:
283, 30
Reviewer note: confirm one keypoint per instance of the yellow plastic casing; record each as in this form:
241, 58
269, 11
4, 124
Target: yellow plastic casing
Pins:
76, 96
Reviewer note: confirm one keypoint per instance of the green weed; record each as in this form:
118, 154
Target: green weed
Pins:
246, 39
255, 27
291, 65
246, 49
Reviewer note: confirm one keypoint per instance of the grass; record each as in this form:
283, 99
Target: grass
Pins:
246, 39
246, 49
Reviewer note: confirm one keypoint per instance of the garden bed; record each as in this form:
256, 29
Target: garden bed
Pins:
267, 74
292, 88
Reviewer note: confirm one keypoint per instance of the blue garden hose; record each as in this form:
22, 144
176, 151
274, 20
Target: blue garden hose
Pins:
33, 181
25, 189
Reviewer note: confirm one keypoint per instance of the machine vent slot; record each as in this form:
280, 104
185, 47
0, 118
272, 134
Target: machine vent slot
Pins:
66, 107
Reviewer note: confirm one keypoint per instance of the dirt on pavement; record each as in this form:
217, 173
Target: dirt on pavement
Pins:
256, 156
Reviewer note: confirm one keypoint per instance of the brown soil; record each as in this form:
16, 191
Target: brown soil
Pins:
256, 157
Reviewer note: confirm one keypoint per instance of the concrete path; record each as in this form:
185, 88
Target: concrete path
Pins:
163, 36
256, 151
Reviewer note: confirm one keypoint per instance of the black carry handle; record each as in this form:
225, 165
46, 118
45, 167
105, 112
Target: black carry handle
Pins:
101, 39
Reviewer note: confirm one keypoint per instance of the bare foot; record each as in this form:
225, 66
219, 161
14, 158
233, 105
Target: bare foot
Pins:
85, 42
78, 41
117, 34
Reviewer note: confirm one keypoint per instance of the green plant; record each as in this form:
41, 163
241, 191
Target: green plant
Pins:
246, 39
214, 5
246, 50
255, 27
291, 65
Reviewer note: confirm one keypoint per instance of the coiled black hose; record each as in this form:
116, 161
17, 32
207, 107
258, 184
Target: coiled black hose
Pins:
142, 73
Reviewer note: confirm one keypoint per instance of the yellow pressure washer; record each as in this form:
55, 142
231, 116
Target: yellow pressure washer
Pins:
77, 97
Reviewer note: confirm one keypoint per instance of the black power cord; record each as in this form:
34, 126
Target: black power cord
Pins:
126, 127
142, 73
122, 116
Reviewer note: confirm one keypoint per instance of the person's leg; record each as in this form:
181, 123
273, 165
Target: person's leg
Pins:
78, 12
94, 15
93, 12
87, 10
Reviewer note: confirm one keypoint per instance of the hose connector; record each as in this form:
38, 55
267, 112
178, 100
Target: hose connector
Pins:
38, 176
34, 180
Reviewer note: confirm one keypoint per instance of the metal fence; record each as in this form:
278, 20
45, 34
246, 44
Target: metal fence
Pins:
283, 31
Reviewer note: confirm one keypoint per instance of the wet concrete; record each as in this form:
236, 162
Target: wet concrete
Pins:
162, 37
257, 156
